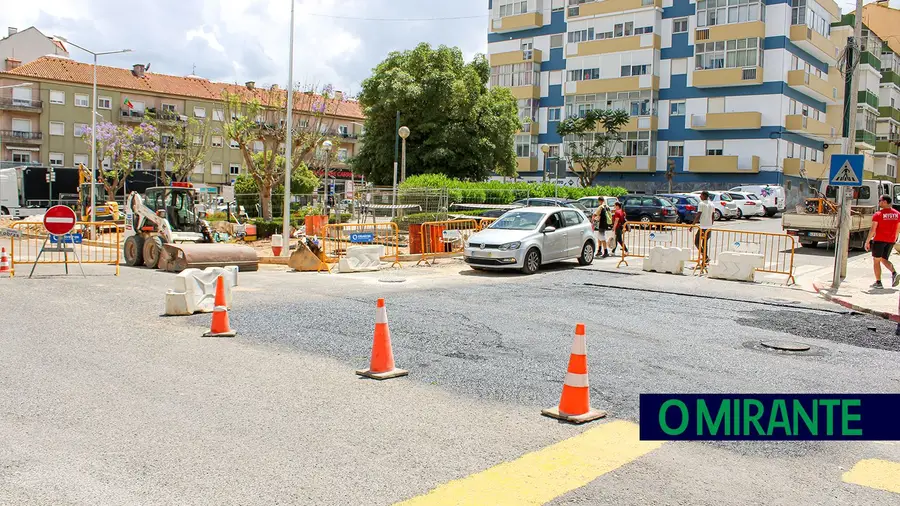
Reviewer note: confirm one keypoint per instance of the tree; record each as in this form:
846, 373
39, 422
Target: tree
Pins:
593, 141
458, 126
124, 146
184, 143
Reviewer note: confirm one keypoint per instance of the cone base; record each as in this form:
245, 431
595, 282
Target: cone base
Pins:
220, 334
594, 414
396, 373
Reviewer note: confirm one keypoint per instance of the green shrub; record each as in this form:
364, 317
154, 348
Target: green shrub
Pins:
498, 192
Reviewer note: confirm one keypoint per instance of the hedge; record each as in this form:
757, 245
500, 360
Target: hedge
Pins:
497, 192
265, 229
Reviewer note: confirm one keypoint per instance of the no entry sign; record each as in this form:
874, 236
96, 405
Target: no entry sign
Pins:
59, 220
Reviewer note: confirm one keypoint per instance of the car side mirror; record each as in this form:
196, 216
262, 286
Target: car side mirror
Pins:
549, 229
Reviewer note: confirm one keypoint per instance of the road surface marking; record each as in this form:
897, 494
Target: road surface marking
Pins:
539, 477
875, 473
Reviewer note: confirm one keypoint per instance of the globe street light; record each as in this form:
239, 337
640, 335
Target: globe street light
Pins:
327, 147
404, 133
546, 150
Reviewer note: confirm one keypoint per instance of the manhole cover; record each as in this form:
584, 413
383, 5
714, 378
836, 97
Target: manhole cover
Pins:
785, 346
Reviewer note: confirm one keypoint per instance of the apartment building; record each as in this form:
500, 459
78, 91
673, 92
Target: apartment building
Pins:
25, 46
42, 124
723, 91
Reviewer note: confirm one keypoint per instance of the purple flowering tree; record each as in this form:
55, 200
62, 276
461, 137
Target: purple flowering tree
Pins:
124, 147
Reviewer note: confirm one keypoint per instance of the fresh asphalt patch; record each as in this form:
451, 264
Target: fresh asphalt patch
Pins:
854, 329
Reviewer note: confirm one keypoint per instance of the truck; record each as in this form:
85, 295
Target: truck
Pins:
817, 220
25, 191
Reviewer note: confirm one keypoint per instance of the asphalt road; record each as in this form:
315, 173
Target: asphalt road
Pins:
106, 402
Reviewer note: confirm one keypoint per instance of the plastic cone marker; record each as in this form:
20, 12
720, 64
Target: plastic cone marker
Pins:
382, 364
4, 261
220, 326
575, 402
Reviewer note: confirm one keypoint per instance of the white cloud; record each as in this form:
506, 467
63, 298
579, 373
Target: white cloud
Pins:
209, 37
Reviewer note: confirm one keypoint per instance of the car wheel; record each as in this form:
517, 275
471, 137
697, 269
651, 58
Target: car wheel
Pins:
152, 251
645, 218
678, 219
718, 215
587, 254
740, 213
4, 211
532, 261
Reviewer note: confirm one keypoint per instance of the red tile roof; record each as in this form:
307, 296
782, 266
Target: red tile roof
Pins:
69, 71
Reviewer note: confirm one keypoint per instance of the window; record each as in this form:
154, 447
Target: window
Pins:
679, 66
801, 14
715, 105
728, 54
57, 159
197, 140
517, 74
218, 115
80, 129
199, 112
216, 169
635, 103
581, 36
167, 140
636, 143
554, 114
217, 141
234, 169
680, 25
342, 155
554, 151
57, 97
343, 130
233, 144
82, 100
512, 7
677, 108
526, 146
634, 70
22, 125
57, 128
556, 41
676, 148
643, 29
80, 160
104, 103
891, 170
106, 163
720, 12
137, 165
168, 108
258, 146
21, 157
198, 169
714, 148
583, 75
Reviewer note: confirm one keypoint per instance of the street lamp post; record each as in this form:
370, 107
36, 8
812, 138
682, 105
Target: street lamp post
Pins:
21, 85
327, 147
288, 144
93, 118
546, 150
404, 133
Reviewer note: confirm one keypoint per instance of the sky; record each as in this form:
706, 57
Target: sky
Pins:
248, 40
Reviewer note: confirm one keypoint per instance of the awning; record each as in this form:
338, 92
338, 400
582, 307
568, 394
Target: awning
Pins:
23, 148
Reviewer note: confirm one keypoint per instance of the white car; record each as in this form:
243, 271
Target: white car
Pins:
723, 204
528, 238
748, 204
773, 197
591, 203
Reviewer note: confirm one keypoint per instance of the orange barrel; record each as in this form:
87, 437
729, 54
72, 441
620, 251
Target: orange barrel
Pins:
276, 244
437, 234
415, 239
249, 232
315, 224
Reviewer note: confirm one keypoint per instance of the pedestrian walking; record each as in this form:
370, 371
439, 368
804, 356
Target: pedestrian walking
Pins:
602, 222
619, 228
704, 217
881, 240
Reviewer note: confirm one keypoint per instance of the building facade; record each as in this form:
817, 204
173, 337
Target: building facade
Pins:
42, 124
725, 91
25, 46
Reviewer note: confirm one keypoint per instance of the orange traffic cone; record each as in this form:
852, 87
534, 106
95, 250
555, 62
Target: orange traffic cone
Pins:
4, 262
220, 326
381, 366
575, 403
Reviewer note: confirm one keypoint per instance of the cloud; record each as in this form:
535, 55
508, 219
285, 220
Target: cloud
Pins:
244, 40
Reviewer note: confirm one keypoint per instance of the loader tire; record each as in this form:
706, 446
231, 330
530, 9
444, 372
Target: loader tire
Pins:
152, 251
134, 251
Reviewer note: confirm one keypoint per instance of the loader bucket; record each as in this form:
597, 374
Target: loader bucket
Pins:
178, 257
304, 260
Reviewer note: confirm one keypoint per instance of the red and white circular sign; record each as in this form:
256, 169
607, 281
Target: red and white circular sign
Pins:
59, 220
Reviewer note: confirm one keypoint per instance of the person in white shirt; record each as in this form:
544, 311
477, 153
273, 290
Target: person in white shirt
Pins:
704, 217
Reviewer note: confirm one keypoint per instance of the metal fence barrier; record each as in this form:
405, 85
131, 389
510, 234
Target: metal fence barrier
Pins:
337, 238
484, 223
639, 237
445, 238
105, 248
777, 250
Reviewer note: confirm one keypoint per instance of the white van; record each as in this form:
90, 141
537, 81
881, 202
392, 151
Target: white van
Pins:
773, 197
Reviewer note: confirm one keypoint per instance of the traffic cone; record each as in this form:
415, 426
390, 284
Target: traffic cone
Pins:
381, 366
575, 403
220, 326
4, 262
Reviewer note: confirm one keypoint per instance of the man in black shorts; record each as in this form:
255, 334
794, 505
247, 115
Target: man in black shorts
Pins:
882, 238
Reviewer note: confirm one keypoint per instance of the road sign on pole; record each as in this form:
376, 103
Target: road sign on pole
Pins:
59, 220
846, 170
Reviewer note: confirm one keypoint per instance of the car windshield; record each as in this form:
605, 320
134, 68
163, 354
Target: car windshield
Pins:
518, 220
693, 201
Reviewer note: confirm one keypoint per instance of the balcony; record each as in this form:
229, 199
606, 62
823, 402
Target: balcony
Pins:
717, 78
866, 97
517, 22
513, 57
865, 140
615, 45
808, 127
814, 43
129, 115
527, 164
21, 137
887, 147
889, 76
632, 83
731, 31
724, 164
636, 123
20, 105
634, 164
727, 121
814, 87
166, 116
800, 168
609, 7
867, 58
889, 113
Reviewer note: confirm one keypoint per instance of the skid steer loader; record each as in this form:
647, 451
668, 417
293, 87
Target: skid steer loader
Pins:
163, 230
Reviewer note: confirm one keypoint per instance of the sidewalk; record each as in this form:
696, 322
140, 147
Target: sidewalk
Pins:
855, 294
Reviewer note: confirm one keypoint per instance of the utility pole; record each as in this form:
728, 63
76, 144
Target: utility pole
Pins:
851, 92
396, 154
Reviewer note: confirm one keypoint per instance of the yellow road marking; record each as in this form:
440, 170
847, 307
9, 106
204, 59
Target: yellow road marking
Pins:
875, 473
539, 477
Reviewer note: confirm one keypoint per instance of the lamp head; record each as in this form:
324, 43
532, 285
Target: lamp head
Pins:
327, 145
545, 148
404, 132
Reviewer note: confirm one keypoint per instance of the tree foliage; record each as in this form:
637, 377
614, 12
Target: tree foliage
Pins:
592, 141
183, 141
458, 126
123, 146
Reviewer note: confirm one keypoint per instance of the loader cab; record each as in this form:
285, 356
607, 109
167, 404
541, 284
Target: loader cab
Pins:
176, 204
105, 210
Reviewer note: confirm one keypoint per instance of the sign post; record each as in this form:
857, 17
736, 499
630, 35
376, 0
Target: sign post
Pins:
59, 221
845, 170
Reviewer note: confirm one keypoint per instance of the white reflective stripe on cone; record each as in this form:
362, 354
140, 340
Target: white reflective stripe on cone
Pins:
381, 315
220, 308
579, 346
576, 380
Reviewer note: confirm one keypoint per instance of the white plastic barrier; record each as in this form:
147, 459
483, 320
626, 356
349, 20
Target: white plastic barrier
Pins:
670, 260
194, 290
736, 266
361, 259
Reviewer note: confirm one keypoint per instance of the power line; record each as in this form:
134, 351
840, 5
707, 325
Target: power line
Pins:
451, 18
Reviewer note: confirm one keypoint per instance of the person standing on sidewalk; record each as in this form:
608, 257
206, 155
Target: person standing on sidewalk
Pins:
602, 224
619, 228
704, 217
882, 237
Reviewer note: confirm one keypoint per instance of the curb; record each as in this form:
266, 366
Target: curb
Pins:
849, 305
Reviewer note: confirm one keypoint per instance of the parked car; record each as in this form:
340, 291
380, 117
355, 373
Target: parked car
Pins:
686, 205
648, 208
773, 197
537, 202
530, 237
592, 203
724, 206
748, 204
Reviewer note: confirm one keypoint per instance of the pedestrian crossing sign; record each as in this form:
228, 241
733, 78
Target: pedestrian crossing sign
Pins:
846, 170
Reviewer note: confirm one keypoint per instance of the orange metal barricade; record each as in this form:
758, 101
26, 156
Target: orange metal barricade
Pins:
777, 250
484, 223
105, 248
446, 238
639, 237
336, 238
